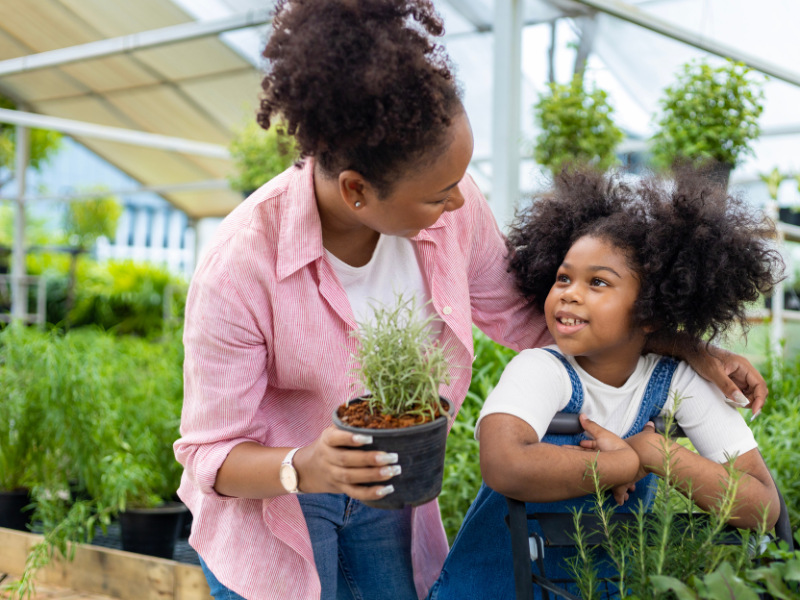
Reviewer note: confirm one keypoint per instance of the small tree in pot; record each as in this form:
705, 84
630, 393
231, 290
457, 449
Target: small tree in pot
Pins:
710, 114
577, 127
402, 368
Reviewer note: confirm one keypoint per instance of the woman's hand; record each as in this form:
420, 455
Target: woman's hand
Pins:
329, 465
734, 375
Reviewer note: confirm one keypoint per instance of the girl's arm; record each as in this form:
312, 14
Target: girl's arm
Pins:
515, 463
707, 480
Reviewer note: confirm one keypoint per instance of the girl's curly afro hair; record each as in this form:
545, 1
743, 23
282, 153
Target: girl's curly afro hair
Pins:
360, 84
700, 253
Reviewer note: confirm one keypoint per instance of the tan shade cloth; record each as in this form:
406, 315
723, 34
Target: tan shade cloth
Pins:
198, 90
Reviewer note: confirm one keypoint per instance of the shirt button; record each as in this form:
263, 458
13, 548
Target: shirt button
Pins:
447, 310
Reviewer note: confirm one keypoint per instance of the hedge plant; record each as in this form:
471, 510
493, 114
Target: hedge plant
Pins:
709, 113
577, 126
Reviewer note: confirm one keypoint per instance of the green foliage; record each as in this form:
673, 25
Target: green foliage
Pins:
104, 411
87, 220
124, 296
709, 113
260, 155
683, 557
43, 145
577, 127
462, 471
776, 430
398, 363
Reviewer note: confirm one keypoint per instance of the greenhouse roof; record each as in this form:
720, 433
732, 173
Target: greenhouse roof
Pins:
200, 89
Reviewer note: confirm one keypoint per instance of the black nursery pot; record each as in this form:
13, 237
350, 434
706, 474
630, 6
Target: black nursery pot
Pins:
152, 531
11, 505
420, 450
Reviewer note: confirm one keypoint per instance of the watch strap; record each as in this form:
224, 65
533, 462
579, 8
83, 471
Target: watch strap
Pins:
288, 463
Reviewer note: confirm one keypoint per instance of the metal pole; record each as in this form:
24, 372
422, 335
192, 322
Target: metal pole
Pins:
19, 302
508, 21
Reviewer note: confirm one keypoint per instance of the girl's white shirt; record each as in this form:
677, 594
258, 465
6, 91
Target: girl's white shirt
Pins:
393, 269
535, 386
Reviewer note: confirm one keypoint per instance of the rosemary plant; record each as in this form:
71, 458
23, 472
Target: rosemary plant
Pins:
398, 363
657, 556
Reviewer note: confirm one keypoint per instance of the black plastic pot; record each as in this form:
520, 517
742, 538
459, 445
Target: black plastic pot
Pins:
789, 215
420, 451
720, 173
152, 531
11, 505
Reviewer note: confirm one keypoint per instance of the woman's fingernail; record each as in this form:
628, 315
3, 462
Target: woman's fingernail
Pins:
755, 414
741, 398
362, 439
391, 471
385, 490
386, 458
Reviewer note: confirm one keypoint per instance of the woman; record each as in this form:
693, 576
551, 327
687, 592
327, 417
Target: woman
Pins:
381, 203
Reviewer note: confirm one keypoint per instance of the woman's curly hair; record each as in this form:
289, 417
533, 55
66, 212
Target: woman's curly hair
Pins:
360, 84
700, 253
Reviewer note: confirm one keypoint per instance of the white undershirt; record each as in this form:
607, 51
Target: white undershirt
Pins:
393, 269
535, 386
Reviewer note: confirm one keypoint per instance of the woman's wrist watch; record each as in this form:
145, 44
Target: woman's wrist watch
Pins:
288, 474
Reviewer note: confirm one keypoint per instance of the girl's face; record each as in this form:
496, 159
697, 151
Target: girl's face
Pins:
588, 309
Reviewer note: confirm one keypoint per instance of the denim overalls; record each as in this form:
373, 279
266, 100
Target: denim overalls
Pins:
480, 565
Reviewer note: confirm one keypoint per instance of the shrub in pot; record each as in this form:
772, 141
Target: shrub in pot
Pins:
576, 127
710, 114
259, 155
402, 370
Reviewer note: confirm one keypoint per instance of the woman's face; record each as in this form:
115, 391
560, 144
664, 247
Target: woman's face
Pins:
588, 309
419, 198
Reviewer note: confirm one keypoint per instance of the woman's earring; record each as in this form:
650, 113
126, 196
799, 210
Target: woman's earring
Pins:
358, 204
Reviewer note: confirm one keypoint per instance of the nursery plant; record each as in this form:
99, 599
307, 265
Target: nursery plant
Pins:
708, 114
666, 554
259, 155
402, 370
576, 126
108, 412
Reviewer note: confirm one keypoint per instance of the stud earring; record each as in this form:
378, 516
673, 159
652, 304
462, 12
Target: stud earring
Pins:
358, 204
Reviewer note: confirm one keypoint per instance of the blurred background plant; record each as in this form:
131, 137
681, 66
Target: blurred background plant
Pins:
44, 144
709, 113
259, 155
576, 126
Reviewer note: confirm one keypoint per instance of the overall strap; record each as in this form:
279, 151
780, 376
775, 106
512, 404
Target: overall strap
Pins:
655, 395
573, 407
576, 400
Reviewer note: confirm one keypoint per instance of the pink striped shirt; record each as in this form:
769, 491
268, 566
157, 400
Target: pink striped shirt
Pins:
267, 341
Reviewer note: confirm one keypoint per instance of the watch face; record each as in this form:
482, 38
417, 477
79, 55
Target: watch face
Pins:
288, 477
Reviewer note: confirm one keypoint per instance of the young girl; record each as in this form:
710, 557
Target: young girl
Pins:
612, 264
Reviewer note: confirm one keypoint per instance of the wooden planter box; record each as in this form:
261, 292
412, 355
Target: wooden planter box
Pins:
114, 573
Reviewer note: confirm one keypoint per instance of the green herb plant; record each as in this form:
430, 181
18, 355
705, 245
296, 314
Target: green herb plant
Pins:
663, 553
398, 363
260, 155
708, 114
105, 412
577, 127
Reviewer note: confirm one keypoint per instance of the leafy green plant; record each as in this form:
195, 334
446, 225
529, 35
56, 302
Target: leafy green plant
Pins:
577, 127
398, 363
260, 155
462, 470
666, 554
106, 410
43, 146
86, 220
709, 113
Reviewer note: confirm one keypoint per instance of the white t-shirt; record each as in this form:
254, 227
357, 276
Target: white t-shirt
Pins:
393, 269
535, 386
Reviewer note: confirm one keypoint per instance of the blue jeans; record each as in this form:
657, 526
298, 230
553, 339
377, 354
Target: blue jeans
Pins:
361, 553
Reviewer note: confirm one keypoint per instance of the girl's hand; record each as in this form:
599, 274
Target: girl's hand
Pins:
605, 441
329, 465
646, 439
